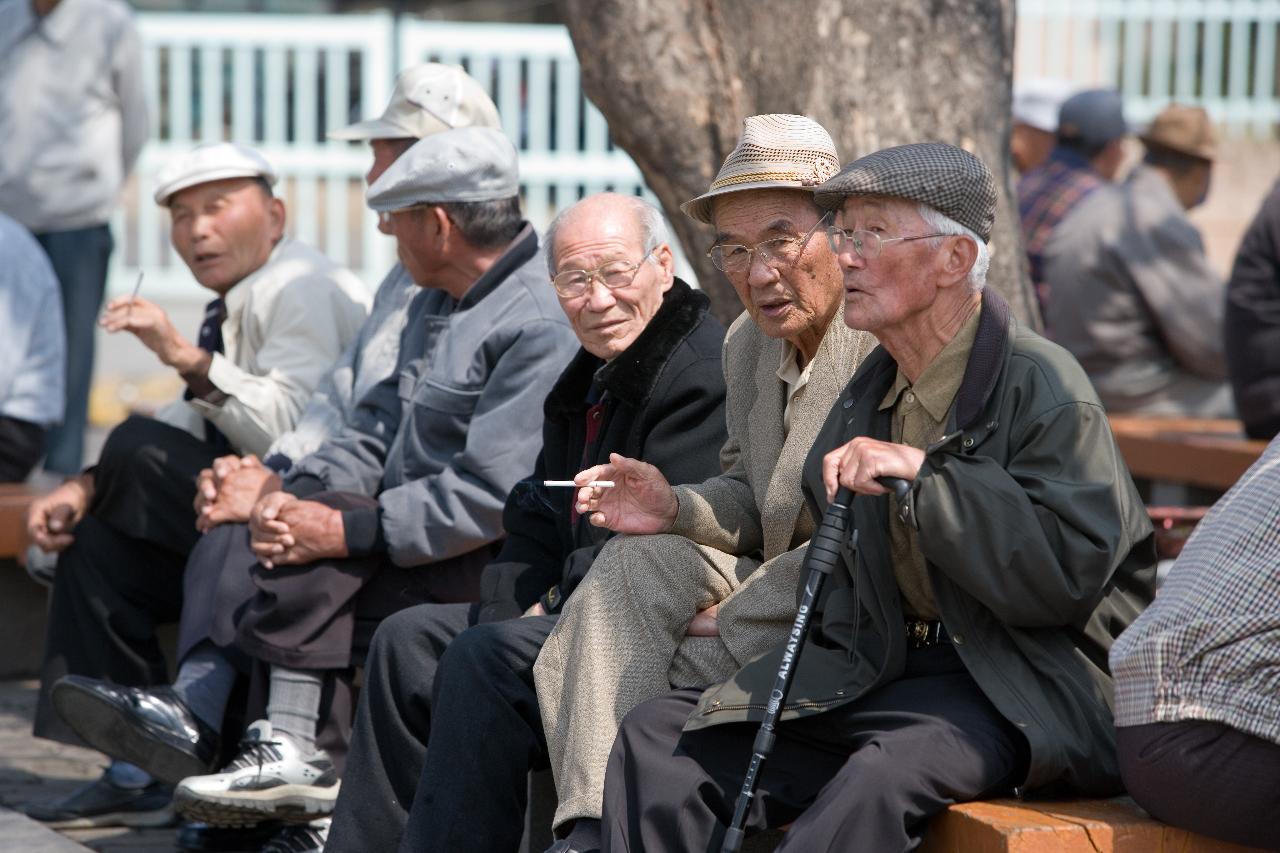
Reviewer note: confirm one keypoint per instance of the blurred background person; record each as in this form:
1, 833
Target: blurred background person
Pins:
1036, 103
32, 351
1088, 154
73, 119
1133, 296
1251, 330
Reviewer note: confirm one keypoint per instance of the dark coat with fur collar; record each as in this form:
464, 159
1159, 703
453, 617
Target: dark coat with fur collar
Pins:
1038, 547
662, 402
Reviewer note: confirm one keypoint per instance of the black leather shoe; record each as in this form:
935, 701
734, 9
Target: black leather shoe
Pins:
564, 845
102, 803
197, 837
151, 728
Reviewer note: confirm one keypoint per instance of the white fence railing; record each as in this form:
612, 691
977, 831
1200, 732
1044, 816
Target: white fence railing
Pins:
279, 82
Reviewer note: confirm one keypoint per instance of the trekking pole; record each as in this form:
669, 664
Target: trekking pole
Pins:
820, 558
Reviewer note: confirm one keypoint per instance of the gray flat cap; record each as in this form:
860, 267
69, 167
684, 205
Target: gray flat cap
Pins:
948, 179
464, 164
1092, 118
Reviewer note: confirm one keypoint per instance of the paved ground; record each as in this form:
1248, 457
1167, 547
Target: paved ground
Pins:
33, 770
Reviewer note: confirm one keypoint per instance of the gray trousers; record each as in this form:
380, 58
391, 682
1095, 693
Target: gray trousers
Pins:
864, 776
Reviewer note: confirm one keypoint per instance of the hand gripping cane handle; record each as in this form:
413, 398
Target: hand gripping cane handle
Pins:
820, 558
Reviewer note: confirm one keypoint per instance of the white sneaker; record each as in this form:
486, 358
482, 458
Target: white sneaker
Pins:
269, 780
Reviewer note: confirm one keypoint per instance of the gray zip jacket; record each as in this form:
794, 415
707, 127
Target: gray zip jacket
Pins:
442, 441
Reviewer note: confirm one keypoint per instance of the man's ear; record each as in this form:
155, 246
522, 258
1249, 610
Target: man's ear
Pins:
276, 218
667, 262
958, 258
444, 228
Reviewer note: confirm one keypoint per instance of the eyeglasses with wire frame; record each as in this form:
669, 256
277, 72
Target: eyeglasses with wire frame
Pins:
614, 275
734, 259
868, 244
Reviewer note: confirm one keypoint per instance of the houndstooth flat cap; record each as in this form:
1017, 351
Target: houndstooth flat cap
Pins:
776, 151
947, 178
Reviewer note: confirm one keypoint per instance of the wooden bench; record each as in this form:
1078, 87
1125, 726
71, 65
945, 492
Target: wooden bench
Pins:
14, 500
1210, 454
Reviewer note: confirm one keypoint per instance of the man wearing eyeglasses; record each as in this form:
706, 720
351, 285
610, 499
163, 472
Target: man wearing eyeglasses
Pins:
447, 727
707, 579
959, 650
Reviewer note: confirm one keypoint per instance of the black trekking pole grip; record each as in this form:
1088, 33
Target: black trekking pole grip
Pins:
820, 558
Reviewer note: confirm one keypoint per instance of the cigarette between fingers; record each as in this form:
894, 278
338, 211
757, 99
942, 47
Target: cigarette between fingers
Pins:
570, 484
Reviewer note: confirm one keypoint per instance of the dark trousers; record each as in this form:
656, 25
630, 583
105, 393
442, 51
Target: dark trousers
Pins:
446, 731
865, 776
1205, 777
123, 574
21, 446
79, 258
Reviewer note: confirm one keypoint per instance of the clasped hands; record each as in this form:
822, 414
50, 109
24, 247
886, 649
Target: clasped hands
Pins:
284, 530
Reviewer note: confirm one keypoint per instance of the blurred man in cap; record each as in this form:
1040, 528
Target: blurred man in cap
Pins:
712, 584
400, 506
1144, 313
1035, 120
959, 651
73, 119
1088, 154
124, 528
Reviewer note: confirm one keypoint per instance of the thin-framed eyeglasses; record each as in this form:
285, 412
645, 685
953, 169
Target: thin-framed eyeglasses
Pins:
868, 244
734, 259
614, 275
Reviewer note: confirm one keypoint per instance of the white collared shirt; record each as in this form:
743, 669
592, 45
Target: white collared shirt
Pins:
286, 325
73, 115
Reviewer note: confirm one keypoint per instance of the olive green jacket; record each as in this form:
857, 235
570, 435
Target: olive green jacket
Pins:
1038, 547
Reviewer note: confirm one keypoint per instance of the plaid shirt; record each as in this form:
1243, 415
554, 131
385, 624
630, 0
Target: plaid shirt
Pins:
1046, 194
1209, 647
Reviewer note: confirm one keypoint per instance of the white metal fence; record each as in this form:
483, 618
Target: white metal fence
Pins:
279, 82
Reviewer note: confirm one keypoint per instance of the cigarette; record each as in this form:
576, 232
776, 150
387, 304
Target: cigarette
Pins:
136, 287
570, 484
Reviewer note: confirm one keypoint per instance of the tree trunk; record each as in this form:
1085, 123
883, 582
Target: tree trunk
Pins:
675, 78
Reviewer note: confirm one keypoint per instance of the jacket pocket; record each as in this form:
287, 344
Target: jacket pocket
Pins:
444, 398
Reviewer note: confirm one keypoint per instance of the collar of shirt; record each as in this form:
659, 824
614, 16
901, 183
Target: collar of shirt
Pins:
522, 248
238, 295
1069, 158
789, 370
937, 386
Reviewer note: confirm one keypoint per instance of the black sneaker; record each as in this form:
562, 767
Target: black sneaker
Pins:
271, 779
103, 803
307, 838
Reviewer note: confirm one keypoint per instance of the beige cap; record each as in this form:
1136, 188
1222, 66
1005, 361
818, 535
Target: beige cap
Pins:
213, 161
428, 98
774, 152
1186, 130
467, 164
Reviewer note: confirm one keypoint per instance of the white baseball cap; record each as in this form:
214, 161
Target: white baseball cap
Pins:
1036, 102
467, 164
212, 161
428, 98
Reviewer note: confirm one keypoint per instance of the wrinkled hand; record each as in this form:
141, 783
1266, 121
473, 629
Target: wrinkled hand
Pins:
857, 464
641, 500
285, 531
51, 518
705, 623
227, 492
152, 326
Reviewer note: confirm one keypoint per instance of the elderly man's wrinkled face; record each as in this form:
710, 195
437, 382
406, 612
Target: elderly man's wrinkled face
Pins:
795, 293
225, 230
603, 236
885, 292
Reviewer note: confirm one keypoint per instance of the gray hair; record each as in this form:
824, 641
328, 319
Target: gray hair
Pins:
653, 227
940, 223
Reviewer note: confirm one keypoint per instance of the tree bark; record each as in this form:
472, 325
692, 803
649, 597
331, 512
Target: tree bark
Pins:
675, 78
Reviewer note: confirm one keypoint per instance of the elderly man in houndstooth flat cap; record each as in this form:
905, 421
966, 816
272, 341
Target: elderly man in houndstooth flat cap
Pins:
960, 650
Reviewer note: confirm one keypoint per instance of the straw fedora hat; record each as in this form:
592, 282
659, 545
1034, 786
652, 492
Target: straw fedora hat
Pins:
1186, 130
774, 152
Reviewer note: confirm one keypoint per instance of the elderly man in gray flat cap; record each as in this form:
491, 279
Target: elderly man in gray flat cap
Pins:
960, 650
727, 549
403, 505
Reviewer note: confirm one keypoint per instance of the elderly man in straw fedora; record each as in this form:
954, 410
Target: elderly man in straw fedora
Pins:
707, 580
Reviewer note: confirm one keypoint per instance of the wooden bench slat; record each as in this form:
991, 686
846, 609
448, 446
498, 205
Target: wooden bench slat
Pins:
1207, 453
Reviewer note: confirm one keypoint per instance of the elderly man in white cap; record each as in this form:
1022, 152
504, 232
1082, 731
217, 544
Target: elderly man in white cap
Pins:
282, 315
428, 98
401, 506
731, 546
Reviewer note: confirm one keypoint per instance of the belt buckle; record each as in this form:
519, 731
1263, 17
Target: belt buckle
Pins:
918, 633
